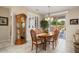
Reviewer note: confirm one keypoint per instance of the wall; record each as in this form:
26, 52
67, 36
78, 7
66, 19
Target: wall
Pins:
70, 29
19, 10
5, 30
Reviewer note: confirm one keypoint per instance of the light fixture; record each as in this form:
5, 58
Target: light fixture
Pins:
49, 11
49, 16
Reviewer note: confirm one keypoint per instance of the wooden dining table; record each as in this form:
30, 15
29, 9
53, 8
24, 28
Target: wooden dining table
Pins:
45, 37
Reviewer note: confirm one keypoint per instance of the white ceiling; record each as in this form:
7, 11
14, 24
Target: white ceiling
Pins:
45, 10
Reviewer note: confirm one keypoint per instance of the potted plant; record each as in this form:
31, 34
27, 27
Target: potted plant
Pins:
44, 25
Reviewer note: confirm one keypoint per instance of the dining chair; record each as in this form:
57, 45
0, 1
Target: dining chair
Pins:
50, 40
54, 38
35, 40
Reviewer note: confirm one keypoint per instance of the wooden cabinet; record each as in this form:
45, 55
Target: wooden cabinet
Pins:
20, 29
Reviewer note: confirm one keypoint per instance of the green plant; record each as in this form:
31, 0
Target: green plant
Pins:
56, 22
44, 24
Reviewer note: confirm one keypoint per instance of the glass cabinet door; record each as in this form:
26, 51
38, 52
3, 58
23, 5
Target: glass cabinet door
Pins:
20, 29
23, 27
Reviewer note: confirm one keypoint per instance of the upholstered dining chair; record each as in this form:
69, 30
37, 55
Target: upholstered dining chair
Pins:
54, 38
50, 40
35, 40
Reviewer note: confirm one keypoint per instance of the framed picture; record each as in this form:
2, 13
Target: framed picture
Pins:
74, 21
3, 21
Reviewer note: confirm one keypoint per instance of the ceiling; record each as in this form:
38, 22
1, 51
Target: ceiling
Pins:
53, 9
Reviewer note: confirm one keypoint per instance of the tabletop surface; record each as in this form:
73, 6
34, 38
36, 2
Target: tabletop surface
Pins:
45, 34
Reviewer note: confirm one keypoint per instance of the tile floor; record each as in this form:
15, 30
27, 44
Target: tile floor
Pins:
63, 46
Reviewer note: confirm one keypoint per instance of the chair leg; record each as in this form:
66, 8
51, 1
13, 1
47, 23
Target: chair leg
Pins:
32, 46
43, 46
53, 44
49, 42
36, 48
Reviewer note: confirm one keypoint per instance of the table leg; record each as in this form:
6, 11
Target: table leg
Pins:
45, 45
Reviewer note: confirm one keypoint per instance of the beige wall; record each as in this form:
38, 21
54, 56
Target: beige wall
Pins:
5, 30
70, 29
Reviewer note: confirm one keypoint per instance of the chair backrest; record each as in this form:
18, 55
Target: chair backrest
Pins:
33, 35
40, 30
37, 30
56, 33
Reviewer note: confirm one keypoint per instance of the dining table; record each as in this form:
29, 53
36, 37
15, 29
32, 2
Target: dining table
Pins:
45, 37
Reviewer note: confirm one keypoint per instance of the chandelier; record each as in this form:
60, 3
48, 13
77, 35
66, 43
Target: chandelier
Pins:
49, 18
